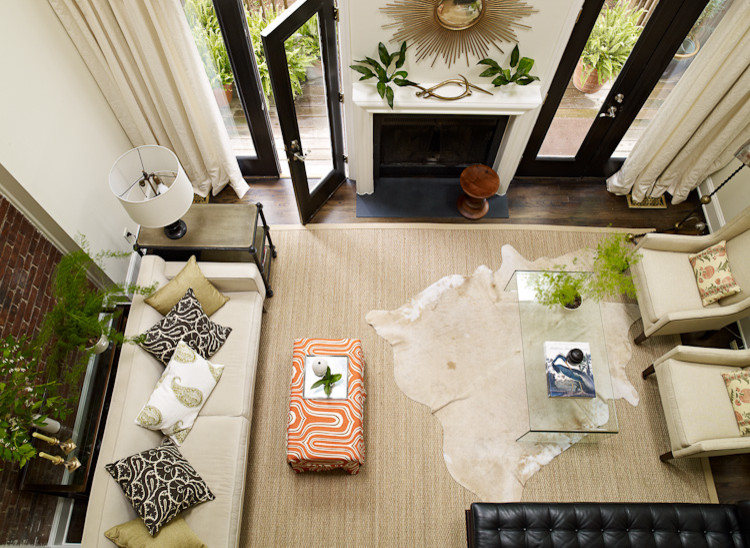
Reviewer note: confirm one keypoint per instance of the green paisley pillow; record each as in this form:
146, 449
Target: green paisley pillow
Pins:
180, 393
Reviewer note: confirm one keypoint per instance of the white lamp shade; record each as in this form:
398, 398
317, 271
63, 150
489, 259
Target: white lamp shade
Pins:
142, 205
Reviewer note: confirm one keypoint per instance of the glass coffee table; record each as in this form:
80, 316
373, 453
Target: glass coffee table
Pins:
562, 419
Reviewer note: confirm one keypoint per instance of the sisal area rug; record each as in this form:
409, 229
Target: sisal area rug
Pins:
325, 280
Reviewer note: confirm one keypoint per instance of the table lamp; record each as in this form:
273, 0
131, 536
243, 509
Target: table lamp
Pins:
153, 188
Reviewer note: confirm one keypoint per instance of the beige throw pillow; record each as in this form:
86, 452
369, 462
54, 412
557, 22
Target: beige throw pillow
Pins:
738, 386
133, 534
190, 276
712, 273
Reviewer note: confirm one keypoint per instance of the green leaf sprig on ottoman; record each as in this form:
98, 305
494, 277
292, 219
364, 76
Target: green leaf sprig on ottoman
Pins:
159, 483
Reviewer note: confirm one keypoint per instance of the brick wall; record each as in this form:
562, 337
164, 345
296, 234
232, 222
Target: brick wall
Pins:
27, 260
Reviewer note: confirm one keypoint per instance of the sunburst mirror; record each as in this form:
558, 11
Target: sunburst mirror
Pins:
456, 28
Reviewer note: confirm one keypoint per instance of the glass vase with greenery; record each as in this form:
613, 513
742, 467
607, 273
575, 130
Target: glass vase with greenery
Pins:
21, 397
611, 40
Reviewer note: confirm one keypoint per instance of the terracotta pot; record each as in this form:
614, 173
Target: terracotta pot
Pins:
223, 94
591, 85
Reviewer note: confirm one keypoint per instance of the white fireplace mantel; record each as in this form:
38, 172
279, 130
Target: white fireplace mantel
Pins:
507, 101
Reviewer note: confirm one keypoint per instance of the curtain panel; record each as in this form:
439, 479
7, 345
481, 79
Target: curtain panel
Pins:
702, 123
142, 55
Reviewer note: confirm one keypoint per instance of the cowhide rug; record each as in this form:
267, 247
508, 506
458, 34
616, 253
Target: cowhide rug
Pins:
457, 349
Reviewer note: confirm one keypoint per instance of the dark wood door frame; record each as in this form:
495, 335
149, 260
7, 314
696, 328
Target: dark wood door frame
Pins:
231, 16
660, 40
274, 36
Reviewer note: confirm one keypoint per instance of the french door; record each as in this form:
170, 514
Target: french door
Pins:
311, 191
586, 143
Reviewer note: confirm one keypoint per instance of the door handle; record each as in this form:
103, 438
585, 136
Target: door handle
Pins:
611, 113
296, 150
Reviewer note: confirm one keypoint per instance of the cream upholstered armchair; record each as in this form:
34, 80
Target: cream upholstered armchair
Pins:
665, 283
700, 417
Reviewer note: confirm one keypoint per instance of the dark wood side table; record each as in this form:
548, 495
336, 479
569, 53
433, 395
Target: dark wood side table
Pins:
218, 231
478, 182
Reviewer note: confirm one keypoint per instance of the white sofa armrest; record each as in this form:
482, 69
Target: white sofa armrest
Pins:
707, 356
225, 276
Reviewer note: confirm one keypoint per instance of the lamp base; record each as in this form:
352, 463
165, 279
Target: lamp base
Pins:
176, 230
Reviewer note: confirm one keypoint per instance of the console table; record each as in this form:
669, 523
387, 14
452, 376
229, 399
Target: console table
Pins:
217, 232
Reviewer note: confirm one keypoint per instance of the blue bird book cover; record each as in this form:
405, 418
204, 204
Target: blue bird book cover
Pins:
568, 368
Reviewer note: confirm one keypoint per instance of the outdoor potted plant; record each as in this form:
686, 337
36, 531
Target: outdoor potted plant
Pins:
611, 40
21, 397
74, 327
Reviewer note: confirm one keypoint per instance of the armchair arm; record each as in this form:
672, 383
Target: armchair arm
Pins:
680, 243
693, 319
707, 356
726, 446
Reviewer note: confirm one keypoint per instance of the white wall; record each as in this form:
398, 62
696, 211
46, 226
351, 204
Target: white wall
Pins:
545, 42
58, 136
727, 204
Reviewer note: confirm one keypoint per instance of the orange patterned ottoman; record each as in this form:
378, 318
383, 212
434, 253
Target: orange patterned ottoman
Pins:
325, 432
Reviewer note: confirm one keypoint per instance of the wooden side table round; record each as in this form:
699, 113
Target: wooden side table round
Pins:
478, 182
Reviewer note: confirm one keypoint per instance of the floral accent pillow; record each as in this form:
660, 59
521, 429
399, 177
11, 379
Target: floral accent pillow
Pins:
180, 394
738, 386
712, 273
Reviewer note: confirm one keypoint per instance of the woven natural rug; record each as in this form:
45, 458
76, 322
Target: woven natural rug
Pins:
325, 280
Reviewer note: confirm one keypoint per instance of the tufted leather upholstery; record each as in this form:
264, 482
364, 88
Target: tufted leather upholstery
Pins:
608, 525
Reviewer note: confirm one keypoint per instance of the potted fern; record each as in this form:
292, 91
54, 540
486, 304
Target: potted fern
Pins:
611, 40
614, 256
561, 288
74, 328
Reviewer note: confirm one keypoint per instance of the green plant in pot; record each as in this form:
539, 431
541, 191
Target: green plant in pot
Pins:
21, 398
611, 40
561, 288
73, 328
614, 256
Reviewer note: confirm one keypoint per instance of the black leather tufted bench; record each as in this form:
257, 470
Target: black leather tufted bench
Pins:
606, 525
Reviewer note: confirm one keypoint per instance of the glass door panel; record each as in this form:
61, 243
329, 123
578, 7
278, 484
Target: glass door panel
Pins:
614, 36
690, 48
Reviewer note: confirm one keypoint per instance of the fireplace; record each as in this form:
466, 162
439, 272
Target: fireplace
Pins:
433, 146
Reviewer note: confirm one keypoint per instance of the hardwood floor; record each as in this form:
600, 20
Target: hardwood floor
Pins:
538, 201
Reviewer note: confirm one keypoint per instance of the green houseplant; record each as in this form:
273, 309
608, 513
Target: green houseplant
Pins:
74, 324
370, 68
518, 73
21, 397
611, 40
561, 288
614, 255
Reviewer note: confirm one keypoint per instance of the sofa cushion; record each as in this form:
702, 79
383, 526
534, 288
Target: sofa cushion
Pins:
190, 277
133, 534
713, 274
187, 322
179, 394
159, 483
695, 402
670, 283
738, 389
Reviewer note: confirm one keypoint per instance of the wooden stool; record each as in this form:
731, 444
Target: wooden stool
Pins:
478, 182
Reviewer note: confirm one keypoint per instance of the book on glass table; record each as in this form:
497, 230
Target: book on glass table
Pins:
568, 369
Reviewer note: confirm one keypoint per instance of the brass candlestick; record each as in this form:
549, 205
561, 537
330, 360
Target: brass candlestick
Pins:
66, 446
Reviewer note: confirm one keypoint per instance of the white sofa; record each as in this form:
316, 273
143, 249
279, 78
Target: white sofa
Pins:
217, 446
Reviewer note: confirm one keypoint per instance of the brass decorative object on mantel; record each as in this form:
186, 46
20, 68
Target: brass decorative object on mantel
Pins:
456, 28
428, 93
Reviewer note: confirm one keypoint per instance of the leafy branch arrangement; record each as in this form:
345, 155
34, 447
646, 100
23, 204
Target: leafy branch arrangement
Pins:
327, 381
503, 76
370, 68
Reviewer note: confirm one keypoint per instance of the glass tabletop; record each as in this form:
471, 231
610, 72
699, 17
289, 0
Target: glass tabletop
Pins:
574, 417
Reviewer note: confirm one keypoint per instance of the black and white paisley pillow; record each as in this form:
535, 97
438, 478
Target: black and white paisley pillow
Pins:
159, 483
186, 321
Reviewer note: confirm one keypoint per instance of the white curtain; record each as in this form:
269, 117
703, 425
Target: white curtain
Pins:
703, 122
142, 55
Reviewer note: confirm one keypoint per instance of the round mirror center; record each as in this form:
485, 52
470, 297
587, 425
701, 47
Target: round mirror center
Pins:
458, 14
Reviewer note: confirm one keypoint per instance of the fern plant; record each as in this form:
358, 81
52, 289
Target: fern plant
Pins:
614, 255
611, 40
561, 288
518, 75
370, 68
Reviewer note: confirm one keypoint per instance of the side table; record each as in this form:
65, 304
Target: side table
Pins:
478, 182
221, 228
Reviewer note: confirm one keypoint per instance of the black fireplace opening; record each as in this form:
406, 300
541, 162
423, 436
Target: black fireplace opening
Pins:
433, 146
